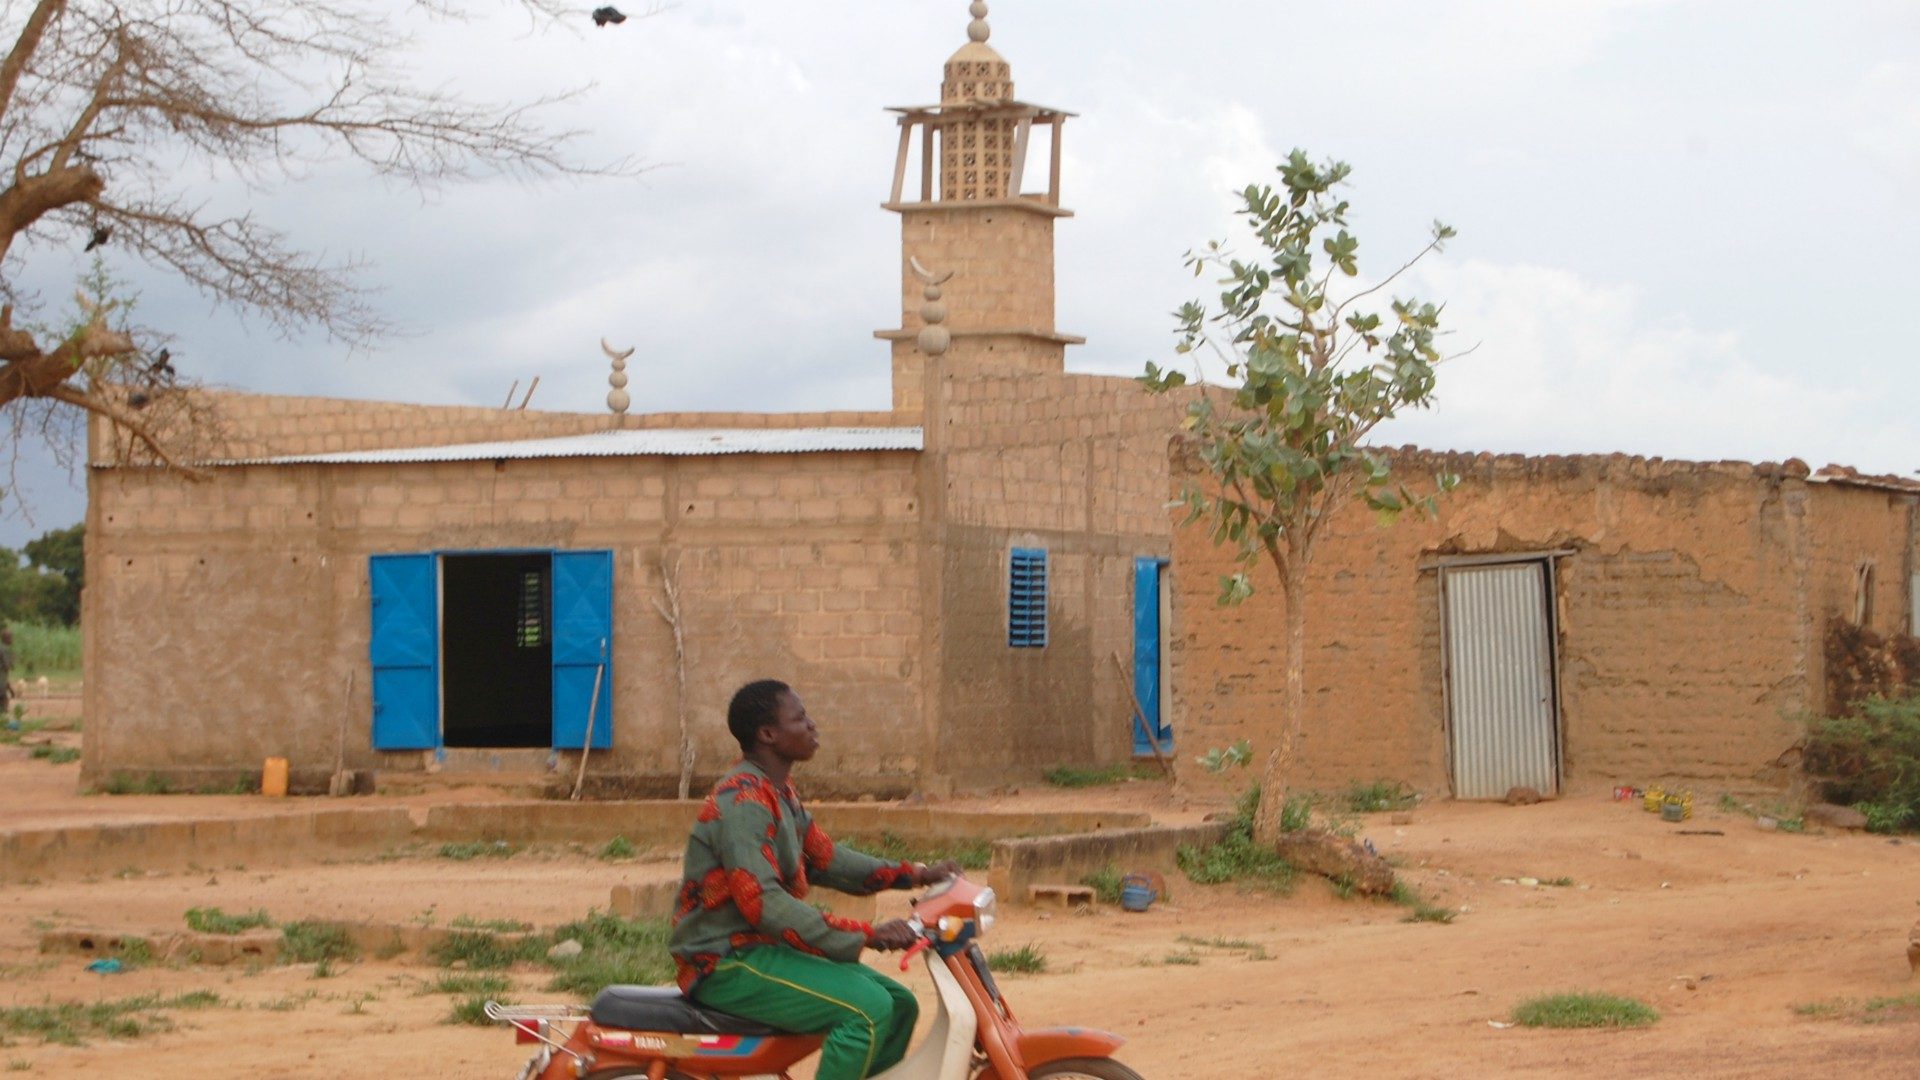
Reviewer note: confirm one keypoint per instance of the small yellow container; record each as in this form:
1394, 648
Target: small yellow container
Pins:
273, 778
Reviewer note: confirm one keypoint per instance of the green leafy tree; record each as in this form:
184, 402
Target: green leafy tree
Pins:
1309, 374
60, 556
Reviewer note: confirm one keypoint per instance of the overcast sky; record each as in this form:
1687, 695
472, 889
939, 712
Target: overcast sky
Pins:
1686, 226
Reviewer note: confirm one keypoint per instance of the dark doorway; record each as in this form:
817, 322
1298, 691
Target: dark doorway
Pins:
496, 649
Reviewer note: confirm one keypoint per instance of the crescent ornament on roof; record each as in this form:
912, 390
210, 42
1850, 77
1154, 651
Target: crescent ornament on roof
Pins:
611, 354
925, 274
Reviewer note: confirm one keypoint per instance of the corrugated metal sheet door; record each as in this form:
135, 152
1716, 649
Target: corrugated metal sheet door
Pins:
1500, 695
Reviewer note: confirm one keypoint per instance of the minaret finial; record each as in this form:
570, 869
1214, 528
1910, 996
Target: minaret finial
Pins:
978, 30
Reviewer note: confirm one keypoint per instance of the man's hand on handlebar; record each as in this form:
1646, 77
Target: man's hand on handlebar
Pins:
893, 934
935, 873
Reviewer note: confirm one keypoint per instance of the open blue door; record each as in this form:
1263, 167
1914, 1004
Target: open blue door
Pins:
582, 643
1147, 660
405, 651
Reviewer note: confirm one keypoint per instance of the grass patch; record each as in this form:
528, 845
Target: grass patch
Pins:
211, 920
1584, 1011
1558, 882
617, 848
471, 1011
498, 926
1236, 857
1380, 795
1873, 1011
57, 755
1181, 959
970, 854
484, 950
290, 1002
71, 1023
315, 943
1105, 883
468, 984
129, 784
613, 950
1253, 949
475, 849
1025, 960
1073, 776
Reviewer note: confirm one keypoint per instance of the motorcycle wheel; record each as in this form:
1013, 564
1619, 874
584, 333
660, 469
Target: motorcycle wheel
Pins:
1083, 1069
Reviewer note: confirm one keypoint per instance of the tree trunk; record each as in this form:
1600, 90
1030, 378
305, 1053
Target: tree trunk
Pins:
1273, 781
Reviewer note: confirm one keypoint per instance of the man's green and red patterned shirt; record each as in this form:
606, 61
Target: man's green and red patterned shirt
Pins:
753, 855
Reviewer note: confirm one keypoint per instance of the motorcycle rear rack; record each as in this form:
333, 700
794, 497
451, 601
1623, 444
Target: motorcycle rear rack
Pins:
532, 1018
509, 1013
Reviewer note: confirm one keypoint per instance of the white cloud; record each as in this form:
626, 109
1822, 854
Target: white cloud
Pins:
1885, 122
1567, 365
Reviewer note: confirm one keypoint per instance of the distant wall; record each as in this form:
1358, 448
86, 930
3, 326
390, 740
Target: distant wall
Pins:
227, 618
1688, 618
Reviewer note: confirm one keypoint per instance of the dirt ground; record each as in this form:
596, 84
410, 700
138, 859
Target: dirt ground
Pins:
1724, 934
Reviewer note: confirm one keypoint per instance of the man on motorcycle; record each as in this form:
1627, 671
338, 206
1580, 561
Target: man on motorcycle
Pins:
746, 941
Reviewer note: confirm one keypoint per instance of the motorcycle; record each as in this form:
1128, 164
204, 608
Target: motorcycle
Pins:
656, 1033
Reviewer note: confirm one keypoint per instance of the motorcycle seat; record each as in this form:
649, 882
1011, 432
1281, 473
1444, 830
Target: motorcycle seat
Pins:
665, 1008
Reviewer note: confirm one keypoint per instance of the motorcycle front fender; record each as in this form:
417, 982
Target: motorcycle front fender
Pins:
1053, 1044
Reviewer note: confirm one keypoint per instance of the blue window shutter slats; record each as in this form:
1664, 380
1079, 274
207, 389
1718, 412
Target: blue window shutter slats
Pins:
404, 650
1027, 599
582, 636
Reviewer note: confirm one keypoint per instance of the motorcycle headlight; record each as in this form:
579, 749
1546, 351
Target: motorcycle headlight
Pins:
986, 908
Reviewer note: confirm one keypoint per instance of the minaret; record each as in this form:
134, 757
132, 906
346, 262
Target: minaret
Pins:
979, 226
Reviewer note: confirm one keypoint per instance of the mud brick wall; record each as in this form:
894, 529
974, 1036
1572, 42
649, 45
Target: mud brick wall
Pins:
234, 610
1688, 619
1074, 464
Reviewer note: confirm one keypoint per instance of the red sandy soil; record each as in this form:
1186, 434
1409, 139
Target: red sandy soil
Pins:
1725, 935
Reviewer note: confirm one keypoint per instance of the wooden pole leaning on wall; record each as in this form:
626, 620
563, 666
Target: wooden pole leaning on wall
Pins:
586, 744
1140, 715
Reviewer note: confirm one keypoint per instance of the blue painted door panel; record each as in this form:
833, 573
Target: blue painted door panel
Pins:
1146, 659
405, 651
582, 640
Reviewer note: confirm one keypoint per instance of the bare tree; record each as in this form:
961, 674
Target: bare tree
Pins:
101, 103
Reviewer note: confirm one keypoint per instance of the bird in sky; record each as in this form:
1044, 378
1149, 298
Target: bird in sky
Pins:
101, 233
161, 367
609, 14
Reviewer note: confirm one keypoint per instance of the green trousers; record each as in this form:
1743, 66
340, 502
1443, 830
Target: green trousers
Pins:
867, 1018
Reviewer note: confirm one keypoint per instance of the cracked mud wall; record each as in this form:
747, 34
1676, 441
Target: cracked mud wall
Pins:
1688, 619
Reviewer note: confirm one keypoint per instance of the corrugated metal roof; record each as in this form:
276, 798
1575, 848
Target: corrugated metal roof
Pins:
663, 442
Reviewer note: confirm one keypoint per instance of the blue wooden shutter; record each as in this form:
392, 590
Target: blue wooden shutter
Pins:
405, 651
1027, 599
582, 644
1146, 656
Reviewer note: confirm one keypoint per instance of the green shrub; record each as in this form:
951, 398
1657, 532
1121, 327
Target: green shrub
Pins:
498, 926
1380, 795
617, 848
1583, 1011
613, 950
970, 854
467, 983
474, 849
484, 950
1237, 857
144, 784
1105, 883
472, 1010
57, 755
1025, 960
315, 943
1870, 757
43, 649
211, 920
